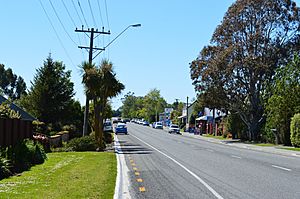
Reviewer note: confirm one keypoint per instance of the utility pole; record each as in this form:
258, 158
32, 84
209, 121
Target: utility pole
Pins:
91, 48
187, 113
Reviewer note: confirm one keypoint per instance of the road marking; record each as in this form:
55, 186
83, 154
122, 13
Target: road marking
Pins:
142, 189
210, 150
131, 161
234, 156
133, 164
282, 168
139, 180
186, 169
135, 169
137, 173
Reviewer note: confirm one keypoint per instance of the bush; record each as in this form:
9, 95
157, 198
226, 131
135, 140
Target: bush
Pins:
86, 143
295, 130
4, 168
26, 154
108, 139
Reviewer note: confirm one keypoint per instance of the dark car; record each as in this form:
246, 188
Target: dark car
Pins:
121, 128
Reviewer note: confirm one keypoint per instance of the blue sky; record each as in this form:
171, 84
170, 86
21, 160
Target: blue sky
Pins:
156, 55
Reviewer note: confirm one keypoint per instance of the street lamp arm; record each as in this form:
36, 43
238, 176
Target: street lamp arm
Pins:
133, 25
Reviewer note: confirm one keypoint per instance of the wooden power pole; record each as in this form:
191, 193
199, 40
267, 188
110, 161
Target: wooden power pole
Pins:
91, 49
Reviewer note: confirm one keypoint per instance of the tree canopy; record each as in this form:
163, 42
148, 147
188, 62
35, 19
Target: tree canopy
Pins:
11, 85
50, 96
253, 40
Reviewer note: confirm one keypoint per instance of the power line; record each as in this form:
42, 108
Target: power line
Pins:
107, 15
100, 12
95, 24
74, 6
82, 13
61, 43
74, 24
77, 12
62, 23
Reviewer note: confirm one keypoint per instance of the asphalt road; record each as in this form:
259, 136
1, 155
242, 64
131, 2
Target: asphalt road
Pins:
163, 165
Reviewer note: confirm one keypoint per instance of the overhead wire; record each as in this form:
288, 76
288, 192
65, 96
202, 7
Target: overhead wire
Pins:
95, 24
60, 41
106, 11
100, 13
74, 24
62, 23
82, 13
74, 6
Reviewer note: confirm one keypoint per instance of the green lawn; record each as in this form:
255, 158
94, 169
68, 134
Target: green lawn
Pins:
265, 144
290, 148
65, 175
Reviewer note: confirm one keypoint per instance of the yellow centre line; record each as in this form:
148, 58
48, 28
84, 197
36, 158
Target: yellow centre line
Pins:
139, 180
137, 173
142, 189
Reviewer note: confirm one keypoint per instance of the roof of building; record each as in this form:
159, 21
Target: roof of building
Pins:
24, 114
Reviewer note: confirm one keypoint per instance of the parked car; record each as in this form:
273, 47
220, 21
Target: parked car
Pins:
107, 127
158, 125
121, 128
174, 129
145, 123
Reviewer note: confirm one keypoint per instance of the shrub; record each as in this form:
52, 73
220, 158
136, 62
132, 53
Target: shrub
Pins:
86, 143
4, 168
26, 154
39, 127
295, 130
108, 139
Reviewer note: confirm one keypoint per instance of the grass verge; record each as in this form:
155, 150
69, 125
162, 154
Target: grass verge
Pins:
216, 137
265, 144
65, 175
290, 148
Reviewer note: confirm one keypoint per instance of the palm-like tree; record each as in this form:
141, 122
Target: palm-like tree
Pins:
101, 85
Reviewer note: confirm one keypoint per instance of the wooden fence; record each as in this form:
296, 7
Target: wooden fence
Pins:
14, 130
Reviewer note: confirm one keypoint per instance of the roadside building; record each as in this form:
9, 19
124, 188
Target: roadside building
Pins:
211, 122
24, 115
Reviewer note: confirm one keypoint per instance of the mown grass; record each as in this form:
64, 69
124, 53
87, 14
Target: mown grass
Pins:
265, 144
290, 148
65, 175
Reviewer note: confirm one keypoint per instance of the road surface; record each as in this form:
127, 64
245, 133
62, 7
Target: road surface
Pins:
163, 165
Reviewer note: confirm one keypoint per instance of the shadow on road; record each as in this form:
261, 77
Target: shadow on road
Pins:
130, 148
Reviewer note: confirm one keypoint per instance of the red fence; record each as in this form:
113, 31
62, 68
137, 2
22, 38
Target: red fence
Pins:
14, 130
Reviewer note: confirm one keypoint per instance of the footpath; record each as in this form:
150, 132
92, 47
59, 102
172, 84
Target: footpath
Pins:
239, 144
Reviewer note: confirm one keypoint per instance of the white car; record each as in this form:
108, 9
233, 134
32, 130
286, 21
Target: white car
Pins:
107, 127
158, 125
174, 128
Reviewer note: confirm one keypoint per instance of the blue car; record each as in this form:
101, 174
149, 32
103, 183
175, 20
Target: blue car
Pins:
121, 128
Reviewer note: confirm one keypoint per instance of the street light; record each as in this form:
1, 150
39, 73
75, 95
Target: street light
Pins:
132, 25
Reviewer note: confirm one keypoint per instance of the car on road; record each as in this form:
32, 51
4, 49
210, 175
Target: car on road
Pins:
158, 125
121, 128
107, 126
174, 128
145, 123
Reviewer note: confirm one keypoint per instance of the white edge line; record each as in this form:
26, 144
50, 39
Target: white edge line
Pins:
282, 168
186, 169
122, 184
234, 156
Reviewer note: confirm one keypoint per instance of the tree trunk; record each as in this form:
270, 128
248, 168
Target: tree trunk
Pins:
96, 122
